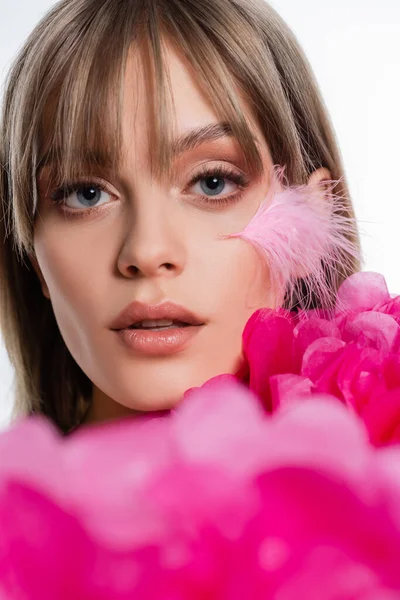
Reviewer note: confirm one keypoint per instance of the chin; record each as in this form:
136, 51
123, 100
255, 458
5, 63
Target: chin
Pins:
152, 398
153, 403
150, 389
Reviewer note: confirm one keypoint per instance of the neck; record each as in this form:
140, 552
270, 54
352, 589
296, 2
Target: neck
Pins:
102, 409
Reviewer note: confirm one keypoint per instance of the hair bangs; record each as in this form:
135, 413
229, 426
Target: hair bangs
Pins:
202, 52
81, 123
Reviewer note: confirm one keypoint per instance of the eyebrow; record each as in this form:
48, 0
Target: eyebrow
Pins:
184, 143
207, 133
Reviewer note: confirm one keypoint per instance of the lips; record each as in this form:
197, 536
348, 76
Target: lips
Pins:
158, 324
136, 312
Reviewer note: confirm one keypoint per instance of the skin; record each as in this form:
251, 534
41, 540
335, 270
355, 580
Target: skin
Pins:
154, 241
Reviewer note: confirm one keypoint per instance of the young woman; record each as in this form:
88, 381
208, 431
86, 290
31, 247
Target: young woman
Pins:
138, 137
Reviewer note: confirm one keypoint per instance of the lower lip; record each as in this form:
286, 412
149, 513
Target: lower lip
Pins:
158, 343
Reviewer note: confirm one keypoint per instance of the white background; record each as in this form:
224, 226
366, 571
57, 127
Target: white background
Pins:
354, 49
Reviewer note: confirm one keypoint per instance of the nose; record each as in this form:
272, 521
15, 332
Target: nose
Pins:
153, 242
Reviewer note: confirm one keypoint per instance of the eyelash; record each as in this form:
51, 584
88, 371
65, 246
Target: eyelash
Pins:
59, 195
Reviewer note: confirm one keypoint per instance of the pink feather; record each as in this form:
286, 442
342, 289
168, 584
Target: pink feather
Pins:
300, 235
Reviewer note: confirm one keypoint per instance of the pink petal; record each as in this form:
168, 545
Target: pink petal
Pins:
321, 363
219, 421
360, 376
268, 348
44, 553
382, 417
374, 329
292, 436
309, 330
131, 452
362, 291
390, 307
287, 389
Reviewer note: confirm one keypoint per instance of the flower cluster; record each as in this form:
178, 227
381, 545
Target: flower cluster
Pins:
352, 354
217, 500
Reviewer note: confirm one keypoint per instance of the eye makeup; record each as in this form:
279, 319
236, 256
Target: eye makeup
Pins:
211, 173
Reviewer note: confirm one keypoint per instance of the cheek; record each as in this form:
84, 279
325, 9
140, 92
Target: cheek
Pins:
237, 280
71, 270
61, 263
236, 267
234, 285
233, 267
251, 277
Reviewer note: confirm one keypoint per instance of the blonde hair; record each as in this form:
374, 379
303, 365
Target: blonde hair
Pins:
70, 73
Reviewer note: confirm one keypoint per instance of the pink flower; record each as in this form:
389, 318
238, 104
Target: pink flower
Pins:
352, 354
217, 500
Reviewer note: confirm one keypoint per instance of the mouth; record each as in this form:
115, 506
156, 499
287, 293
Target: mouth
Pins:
159, 325
160, 337
156, 317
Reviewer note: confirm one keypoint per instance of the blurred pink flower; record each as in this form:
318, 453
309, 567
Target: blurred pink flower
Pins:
352, 354
216, 500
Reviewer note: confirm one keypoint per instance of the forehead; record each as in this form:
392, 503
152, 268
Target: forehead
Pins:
190, 106
133, 114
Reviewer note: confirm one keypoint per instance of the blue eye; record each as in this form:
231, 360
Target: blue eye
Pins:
213, 181
87, 194
215, 184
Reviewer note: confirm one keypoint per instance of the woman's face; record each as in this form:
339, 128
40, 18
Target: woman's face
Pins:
149, 241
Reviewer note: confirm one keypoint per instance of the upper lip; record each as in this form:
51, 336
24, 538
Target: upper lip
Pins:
137, 311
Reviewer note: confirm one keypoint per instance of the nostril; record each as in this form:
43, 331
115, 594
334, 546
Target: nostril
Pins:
134, 270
